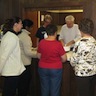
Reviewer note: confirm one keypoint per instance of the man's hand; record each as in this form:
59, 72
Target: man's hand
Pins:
70, 43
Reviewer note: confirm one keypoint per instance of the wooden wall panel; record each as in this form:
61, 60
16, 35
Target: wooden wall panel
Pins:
5, 12
59, 18
10, 8
90, 12
32, 15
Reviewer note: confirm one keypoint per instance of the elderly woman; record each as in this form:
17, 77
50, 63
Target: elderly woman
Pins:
69, 32
83, 59
51, 54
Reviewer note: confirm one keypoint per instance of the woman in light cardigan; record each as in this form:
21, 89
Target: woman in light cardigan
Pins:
83, 59
11, 65
27, 53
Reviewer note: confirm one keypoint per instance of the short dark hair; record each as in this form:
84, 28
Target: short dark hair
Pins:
9, 23
27, 23
86, 26
51, 29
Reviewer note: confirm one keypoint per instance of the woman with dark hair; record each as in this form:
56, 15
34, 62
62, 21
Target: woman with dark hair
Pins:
51, 54
27, 23
11, 65
27, 53
83, 59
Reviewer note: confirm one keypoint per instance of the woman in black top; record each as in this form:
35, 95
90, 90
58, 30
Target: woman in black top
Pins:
41, 32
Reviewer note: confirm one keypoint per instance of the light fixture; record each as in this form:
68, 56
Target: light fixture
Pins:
65, 11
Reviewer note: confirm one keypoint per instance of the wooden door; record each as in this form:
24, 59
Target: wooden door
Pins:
32, 15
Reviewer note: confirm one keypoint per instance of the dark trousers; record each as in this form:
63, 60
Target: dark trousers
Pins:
50, 81
86, 85
24, 82
10, 86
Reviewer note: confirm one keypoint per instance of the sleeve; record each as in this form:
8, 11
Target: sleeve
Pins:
78, 34
74, 59
38, 33
6, 50
39, 47
27, 45
61, 33
77, 54
84, 53
61, 50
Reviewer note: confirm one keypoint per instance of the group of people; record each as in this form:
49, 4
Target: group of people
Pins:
16, 52
83, 60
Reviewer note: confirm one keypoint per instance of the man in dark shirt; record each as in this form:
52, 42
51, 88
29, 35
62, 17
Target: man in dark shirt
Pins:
41, 32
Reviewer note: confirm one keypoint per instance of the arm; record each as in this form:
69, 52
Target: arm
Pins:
64, 58
74, 59
37, 41
6, 51
62, 53
70, 43
39, 55
61, 37
27, 45
62, 42
39, 51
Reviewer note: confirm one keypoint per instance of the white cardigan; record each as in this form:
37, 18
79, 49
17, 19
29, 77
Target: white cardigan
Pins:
26, 47
10, 56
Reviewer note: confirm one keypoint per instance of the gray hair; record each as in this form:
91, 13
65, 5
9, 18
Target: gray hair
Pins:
69, 18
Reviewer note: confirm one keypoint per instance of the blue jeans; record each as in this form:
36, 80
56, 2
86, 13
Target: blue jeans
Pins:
50, 81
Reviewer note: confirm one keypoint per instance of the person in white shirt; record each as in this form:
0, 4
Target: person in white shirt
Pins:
69, 32
11, 65
27, 53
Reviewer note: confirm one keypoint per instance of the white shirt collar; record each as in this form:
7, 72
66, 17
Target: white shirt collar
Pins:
24, 30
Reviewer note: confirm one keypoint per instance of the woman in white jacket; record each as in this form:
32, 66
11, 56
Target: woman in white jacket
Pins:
26, 53
11, 65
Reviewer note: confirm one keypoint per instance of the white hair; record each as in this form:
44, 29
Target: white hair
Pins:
69, 18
